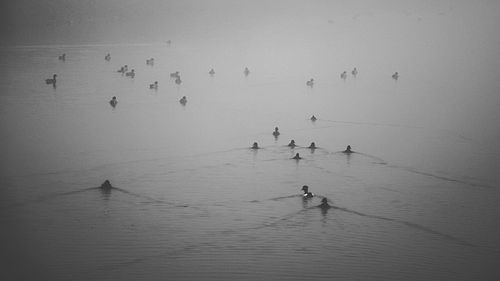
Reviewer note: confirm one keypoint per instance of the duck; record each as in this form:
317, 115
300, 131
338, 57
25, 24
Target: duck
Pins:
343, 75
313, 118
131, 74
183, 100
62, 57
395, 76
51, 81
324, 204
178, 81
106, 185
255, 145
297, 156
113, 102
276, 133
307, 194
292, 144
154, 85
175, 74
354, 72
348, 150
246, 71
150, 61
310, 83
108, 57
211, 72
312, 146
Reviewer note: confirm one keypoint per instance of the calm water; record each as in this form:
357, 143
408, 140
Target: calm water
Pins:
419, 201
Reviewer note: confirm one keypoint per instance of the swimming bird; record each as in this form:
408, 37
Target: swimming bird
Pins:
175, 74
292, 144
276, 133
348, 149
62, 57
211, 72
108, 57
343, 75
354, 72
183, 100
246, 71
255, 146
150, 61
324, 204
312, 146
131, 74
113, 102
297, 157
307, 194
395, 76
51, 81
154, 85
310, 83
106, 185
313, 118
178, 81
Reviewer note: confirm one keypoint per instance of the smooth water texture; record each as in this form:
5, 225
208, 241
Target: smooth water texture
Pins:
418, 200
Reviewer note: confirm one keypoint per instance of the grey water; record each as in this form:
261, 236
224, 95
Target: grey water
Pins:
417, 200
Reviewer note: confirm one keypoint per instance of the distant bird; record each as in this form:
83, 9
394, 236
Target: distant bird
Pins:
154, 85
62, 57
211, 72
131, 74
348, 149
107, 57
113, 102
313, 118
255, 145
106, 185
183, 100
276, 133
150, 61
310, 83
395, 76
51, 81
343, 75
354, 72
178, 81
246, 71
312, 146
297, 157
307, 194
292, 144
175, 75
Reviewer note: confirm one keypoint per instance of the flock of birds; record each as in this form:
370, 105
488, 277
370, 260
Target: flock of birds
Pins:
177, 79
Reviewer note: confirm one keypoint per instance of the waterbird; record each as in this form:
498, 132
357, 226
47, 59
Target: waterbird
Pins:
255, 145
154, 85
178, 80
312, 146
113, 102
175, 74
297, 157
307, 194
150, 61
276, 133
62, 57
348, 149
310, 83
354, 72
246, 71
183, 100
51, 81
211, 72
395, 76
131, 73
343, 75
107, 57
313, 118
106, 185
292, 144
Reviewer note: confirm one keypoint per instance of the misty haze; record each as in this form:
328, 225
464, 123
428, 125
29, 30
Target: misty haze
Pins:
250, 140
